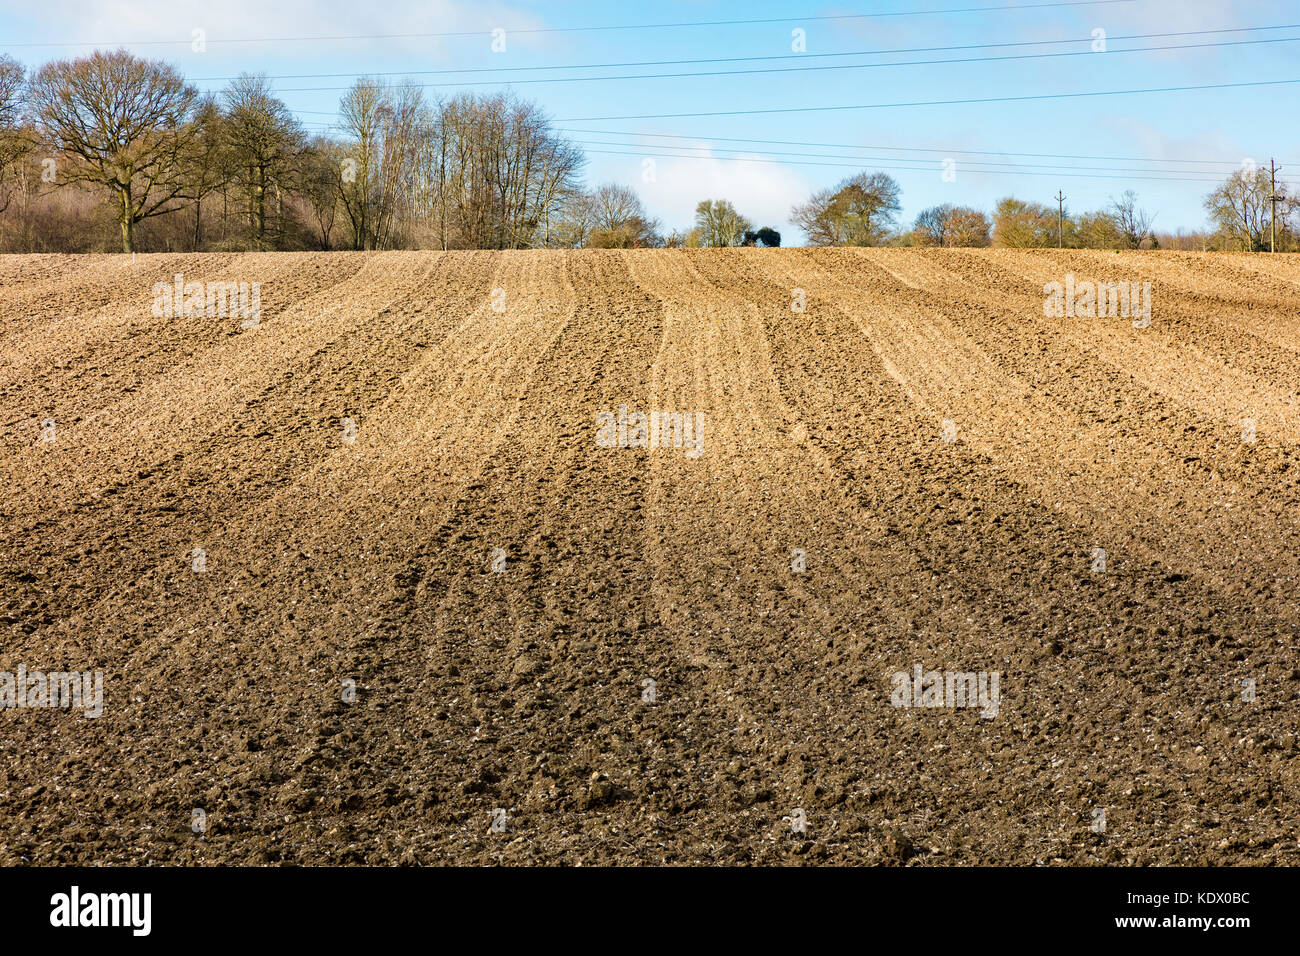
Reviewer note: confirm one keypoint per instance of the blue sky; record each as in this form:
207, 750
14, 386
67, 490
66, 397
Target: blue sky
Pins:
1215, 128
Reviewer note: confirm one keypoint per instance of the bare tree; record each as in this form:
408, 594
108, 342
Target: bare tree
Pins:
318, 180
1239, 207
527, 168
385, 178
14, 142
929, 225
263, 140
553, 178
1134, 224
472, 172
618, 219
719, 223
477, 172
122, 123
951, 226
362, 113
205, 161
571, 222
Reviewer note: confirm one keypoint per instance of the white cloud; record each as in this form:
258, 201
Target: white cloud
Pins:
762, 191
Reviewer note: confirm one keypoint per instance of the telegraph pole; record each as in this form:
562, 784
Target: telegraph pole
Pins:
1060, 216
1272, 198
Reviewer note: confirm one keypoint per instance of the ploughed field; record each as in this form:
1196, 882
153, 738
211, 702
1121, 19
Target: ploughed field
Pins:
393, 559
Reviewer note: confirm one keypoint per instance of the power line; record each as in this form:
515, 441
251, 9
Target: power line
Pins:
1137, 175
812, 69
946, 151
750, 59
964, 102
594, 29
1074, 172
929, 162
916, 149
1080, 172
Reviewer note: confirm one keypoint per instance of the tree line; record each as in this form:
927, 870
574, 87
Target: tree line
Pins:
111, 136
863, 209
110, 144
113, 142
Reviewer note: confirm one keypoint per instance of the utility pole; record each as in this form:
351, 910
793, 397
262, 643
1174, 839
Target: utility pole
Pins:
1060, 216
1272, 198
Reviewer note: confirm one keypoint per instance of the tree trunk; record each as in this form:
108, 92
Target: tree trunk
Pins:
128, 222
259, 222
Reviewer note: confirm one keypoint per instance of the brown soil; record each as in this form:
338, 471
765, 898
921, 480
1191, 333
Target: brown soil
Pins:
521, 689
